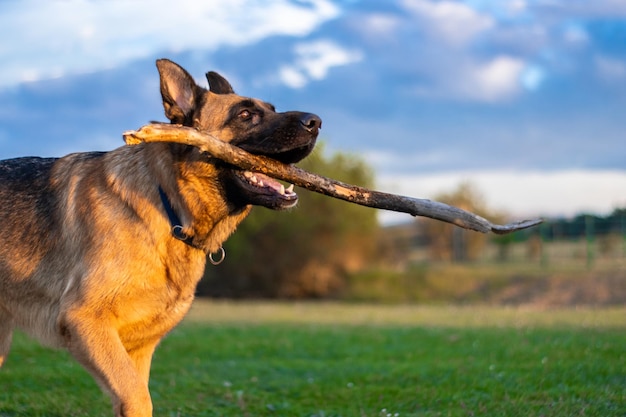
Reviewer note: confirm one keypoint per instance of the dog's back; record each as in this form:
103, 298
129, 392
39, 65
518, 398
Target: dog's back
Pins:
26, 218
24, 189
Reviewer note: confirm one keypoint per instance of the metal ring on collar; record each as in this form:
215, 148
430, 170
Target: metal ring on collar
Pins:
221, 259
178, 233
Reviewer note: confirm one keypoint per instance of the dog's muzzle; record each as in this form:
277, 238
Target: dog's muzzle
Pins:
289, 141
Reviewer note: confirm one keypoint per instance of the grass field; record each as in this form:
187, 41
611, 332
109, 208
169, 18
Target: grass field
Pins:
331, 359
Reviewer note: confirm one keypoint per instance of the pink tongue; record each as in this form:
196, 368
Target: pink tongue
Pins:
262, 180
268, 181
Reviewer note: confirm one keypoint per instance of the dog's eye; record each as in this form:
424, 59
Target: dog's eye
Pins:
245, 114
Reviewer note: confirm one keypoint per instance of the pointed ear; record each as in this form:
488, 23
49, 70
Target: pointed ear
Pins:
218, 84
178, 90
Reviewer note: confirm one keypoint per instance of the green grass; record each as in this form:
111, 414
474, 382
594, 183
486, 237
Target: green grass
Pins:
330, 359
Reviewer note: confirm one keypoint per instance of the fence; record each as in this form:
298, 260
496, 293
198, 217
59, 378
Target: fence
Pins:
584, 242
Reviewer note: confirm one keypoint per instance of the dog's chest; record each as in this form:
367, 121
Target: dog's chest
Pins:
154, 315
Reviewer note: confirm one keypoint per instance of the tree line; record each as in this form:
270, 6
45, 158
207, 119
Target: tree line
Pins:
585, 224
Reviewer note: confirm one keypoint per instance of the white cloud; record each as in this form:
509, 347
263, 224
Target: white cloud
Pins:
465, 78
314, 60
517, 6
498, 78
292, 77
44, 39
522, 194
452, 21
379, 24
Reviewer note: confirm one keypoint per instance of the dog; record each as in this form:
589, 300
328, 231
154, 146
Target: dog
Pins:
100, 252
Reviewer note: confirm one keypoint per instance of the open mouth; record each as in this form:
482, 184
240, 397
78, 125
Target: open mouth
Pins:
265, 191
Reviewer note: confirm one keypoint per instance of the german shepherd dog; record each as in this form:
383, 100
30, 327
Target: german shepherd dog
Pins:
100, 252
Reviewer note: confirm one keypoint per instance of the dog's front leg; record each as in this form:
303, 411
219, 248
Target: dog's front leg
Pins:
96, 345
142, 358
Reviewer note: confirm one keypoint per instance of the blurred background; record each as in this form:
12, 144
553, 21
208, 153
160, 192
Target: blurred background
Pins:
509, 108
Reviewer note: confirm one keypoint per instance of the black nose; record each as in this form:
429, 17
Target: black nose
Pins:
311, 122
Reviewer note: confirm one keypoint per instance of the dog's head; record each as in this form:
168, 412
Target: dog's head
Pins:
251, 124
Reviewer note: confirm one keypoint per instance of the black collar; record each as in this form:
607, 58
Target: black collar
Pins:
177, 227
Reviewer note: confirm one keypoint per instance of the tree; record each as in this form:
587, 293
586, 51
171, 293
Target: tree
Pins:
305, 252
451, 243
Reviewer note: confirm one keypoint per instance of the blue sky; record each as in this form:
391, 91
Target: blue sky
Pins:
526, 99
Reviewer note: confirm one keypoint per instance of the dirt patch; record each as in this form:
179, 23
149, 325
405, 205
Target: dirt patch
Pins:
595, 289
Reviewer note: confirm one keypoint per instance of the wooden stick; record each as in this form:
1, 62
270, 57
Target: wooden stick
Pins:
233, 155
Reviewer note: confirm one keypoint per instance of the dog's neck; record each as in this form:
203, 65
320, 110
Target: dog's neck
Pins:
177, 230
188, 190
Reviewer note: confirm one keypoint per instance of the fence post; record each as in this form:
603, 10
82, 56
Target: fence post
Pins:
623, 223
589, 233
543, 250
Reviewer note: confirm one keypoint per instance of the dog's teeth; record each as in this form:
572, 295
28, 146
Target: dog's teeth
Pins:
260, 184
253, 179
282, 189
289, 189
